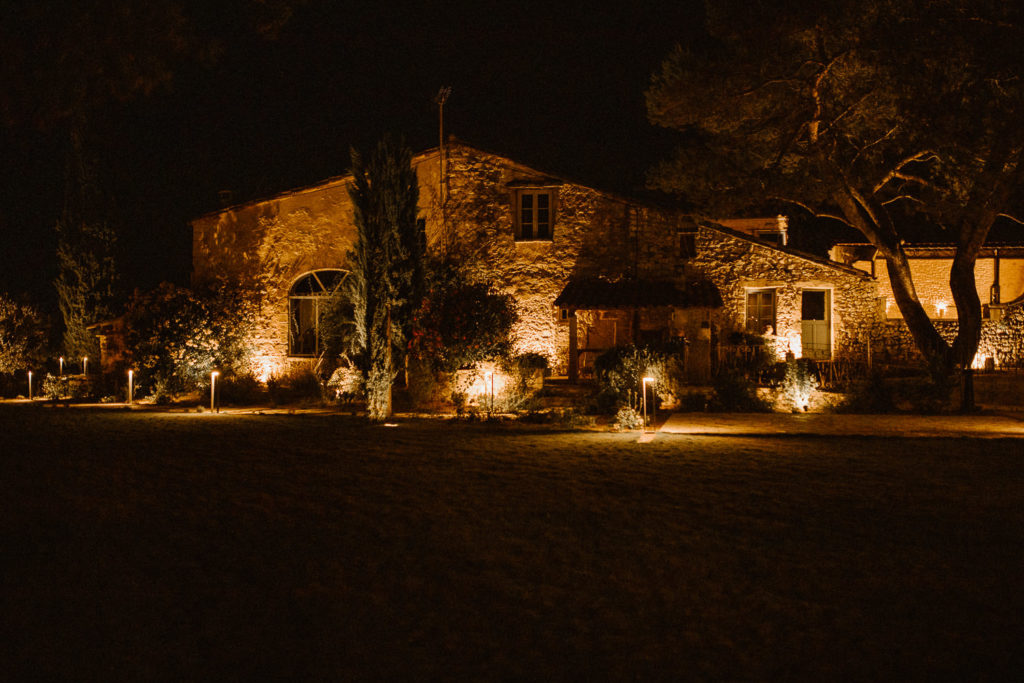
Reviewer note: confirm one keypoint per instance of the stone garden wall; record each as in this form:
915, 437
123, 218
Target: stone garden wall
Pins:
1001, 340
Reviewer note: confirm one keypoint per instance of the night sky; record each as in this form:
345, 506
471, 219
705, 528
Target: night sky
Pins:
558, 86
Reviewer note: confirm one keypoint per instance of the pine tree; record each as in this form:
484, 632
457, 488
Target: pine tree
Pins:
879, 115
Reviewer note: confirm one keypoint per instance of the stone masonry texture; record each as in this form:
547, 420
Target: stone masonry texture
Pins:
273, 243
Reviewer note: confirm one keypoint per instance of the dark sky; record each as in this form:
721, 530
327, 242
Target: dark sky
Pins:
559, 86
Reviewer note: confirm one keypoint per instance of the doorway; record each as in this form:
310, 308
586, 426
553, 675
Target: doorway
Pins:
816, 324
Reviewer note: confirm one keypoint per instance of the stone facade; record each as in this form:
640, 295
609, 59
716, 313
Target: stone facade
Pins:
274, 243
738, 265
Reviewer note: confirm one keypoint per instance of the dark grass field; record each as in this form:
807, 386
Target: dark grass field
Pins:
140, 546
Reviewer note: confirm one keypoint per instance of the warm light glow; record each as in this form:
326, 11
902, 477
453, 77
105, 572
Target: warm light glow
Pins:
980, 361
85, 365
795, 346
941, 307
264, 368
30, 385
131, 386
213, 389
488, 382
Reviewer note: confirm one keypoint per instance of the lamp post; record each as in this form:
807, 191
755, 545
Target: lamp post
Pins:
645, 382
131, 386
489, 376
213, 390
61, 366
85, 365
30, 385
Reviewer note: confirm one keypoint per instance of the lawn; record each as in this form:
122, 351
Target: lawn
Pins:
150, 546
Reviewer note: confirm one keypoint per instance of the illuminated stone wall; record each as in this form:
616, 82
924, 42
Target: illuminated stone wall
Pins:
1001, 340
269, 245
594, 234
737, 264
274, 242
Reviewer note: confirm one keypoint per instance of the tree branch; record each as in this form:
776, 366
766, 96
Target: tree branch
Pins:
895, 173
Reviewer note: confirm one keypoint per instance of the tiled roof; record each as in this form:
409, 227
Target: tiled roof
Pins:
599, 293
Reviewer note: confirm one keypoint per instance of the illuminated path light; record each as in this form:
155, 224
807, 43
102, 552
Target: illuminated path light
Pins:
131, 386
645, 382
61, 359
30, 385
213, 390
85, 365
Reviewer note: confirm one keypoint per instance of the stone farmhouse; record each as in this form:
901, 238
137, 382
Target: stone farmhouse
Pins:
588, 269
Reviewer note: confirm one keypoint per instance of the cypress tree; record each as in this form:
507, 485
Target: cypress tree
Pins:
386, 266
87, 281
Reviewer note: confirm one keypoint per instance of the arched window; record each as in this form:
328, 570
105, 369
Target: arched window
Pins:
307, 301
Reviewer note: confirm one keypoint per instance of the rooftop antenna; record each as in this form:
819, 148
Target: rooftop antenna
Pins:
441, 98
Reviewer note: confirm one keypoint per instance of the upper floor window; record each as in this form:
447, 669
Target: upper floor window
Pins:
535, 214
307, 302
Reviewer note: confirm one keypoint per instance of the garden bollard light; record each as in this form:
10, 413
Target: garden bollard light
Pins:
645, 381
213, 391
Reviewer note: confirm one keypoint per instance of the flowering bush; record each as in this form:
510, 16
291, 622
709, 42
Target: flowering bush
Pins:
461, 323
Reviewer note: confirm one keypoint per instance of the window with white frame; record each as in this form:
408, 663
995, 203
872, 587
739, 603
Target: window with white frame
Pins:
535, 214
761, 311
307, 302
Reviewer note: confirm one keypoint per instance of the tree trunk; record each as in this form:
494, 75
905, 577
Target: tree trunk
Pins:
968, 309
929, 342
874, 223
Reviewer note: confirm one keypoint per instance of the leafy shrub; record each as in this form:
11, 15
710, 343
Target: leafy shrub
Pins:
620, 372
629, 418
736, 393
244, 389
929, 394
346, 383
23, 334
872, 395
798, 384
298, 385
461, 322
55, 387
519, 387
177, 336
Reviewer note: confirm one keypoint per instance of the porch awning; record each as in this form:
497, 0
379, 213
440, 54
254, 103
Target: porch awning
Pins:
597, 293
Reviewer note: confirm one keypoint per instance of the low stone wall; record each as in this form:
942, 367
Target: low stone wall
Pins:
1001, 340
